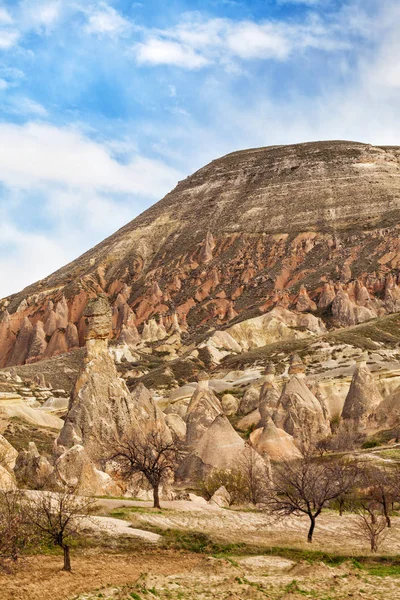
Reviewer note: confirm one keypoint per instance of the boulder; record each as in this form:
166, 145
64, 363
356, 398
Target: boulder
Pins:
221, 497
31, 469
176, 425
230, 404
250, 400
75, 469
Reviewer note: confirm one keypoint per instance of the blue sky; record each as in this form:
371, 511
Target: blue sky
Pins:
106, 104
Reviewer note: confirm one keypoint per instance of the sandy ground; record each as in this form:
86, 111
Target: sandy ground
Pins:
119, 527
257, 578
332, 533
40, 578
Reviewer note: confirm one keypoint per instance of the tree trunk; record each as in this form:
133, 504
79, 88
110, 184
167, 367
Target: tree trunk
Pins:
67, 560
156, 497
387, 516
311, 530
341, 508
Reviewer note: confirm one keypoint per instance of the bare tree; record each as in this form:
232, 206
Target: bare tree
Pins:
15, 530
307, 486
371, 522
382, 485
59, 517
256, 475
153, 455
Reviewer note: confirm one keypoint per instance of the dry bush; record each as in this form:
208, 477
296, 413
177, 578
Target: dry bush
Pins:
232, 479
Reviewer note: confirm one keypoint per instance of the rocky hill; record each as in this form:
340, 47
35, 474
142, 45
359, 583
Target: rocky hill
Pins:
312, 228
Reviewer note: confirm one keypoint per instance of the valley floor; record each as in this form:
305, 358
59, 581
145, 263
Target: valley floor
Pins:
209, 553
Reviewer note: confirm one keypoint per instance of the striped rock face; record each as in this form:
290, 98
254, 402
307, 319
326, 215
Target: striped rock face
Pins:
313, 228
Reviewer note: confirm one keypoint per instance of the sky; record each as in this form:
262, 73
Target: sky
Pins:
106, 104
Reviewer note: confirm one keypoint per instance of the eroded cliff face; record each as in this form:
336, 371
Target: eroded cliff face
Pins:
313, 228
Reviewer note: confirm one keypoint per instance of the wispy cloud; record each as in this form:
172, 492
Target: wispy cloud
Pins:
106, 104
105, 20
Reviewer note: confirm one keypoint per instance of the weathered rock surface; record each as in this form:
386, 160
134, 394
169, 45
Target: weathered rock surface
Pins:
221, 497
220, 447
32, 470
204, 407
274, 443
363, 398
220, 248
299, 412
230, 404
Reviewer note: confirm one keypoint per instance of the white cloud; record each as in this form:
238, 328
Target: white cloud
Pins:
39, 14
83, 193
196, 43
5, 17
32, 257
27, 106
156, 51
8, 38
34, 154
105, 20
3, 84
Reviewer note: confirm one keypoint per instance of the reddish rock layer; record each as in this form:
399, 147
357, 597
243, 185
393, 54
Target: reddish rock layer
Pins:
314, 227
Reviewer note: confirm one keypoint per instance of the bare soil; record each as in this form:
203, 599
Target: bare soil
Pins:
41, 578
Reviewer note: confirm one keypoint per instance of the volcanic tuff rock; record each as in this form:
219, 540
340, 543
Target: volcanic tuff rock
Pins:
285, 226
299, 412
363, 397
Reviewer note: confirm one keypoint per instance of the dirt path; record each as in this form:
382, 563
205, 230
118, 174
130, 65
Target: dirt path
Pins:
116, 527
40, 578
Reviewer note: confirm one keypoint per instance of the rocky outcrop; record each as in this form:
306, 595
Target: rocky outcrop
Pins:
8, 456
221, 497
277, 325
304, 302
250, 400
230, 404
299, 412
38, 343
274, 443
269, 395
220, 248
346, 312
32, 470
363, 398
204, 407
102, 411
387, 413
77, 470
221, 448
20, 350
